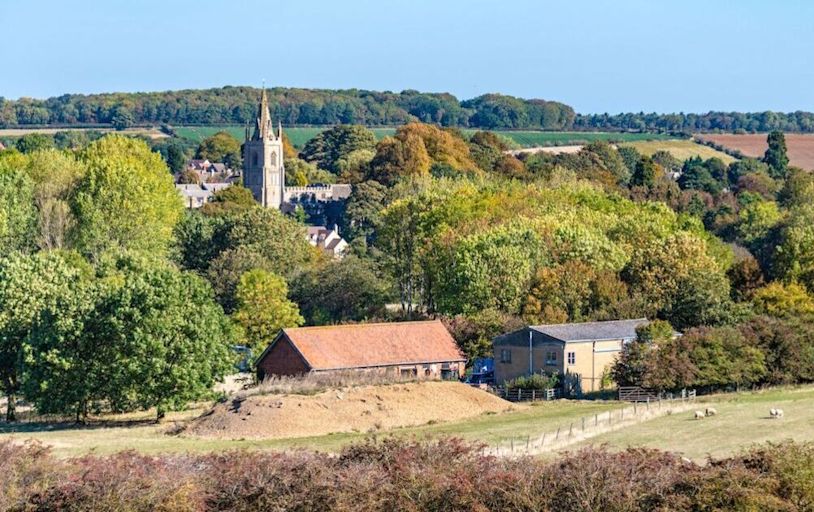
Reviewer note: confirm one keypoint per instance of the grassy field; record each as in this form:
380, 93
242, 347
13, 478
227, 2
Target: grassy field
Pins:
681, 149
297, 135
742, 420
138, 432
300, 135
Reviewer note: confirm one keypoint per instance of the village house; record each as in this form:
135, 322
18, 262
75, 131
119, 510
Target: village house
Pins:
210, 171
583, 351
196, 195
328, 240
402, 349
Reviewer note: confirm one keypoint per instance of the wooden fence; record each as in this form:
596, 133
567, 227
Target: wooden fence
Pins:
590, 426
526, 395
639, 394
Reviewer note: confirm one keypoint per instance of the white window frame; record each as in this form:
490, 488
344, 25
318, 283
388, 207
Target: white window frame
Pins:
572, 358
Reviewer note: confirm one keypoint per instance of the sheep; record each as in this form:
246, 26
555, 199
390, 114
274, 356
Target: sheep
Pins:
710, 411
776, 413
699, 415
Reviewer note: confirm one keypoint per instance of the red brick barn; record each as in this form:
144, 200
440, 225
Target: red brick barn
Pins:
424, 349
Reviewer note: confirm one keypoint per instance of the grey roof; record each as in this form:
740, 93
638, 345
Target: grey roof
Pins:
609, 330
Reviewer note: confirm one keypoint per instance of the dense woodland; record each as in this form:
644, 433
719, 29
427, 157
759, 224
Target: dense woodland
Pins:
236, 105
113, 297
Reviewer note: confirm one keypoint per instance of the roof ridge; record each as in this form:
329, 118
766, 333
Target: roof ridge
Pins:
361, 324
591, 322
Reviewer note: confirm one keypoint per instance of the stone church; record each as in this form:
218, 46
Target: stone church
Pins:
264, 168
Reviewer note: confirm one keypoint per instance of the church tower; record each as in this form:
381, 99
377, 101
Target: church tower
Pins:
263, 170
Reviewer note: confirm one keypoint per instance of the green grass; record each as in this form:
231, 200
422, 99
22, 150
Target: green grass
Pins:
742, 420
681, 149
141, 434
537, 138
300, 135
297, 135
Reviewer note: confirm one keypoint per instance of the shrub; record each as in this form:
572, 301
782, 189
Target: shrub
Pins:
536, 381
394, 474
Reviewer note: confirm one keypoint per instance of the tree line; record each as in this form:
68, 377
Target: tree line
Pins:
295, 106
237, 105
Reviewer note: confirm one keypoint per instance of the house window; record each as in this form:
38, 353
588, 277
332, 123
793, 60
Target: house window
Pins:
254, 158
572, 358
551, 358
273, 159
505, 355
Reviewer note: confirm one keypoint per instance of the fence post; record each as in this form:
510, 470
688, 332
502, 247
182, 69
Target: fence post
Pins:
634, 408
533, 394
648, 403
519, 395
558, 433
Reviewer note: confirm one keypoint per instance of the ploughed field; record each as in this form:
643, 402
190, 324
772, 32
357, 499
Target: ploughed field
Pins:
800, 145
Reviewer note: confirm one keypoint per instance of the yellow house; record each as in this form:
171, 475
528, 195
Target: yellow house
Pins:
582, 350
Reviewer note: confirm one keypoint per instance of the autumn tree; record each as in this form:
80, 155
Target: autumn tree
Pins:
331, 146
125, 200
221, 147
263, 307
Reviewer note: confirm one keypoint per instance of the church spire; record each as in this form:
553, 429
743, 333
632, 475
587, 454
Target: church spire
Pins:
262, 127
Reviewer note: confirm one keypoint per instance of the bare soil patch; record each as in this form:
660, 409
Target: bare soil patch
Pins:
355, 409
800, 145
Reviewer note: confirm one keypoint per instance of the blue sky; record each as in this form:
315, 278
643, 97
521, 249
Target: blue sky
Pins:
599, 56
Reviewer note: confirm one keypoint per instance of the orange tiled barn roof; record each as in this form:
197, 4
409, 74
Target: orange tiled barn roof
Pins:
380, 344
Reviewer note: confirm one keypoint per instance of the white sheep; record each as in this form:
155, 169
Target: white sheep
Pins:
710, 411
776, 413
699, 415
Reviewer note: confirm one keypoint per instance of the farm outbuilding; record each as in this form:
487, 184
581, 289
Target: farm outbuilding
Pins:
583, 350
406, 349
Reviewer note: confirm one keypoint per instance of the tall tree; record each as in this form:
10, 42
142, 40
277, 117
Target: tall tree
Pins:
776, 156
263, 307
330, 146
126, 199
28, 285
168, 328
221, 147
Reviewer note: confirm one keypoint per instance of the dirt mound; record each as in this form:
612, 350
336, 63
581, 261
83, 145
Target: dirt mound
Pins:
357, 409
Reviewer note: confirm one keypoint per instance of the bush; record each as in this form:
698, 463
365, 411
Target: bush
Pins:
391, 474
536, 381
